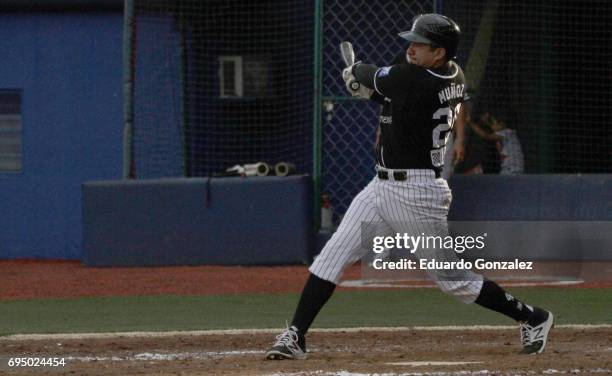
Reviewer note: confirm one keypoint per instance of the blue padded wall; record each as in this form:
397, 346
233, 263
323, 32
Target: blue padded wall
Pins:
224, 221
531, 198
536, 217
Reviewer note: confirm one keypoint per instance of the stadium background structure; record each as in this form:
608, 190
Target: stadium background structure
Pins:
533, 64
72, 108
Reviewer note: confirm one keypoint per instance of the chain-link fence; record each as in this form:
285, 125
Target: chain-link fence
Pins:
224, 82
542, 68
539, 68
218, 83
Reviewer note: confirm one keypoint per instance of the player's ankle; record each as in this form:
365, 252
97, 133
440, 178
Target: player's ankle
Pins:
497, 299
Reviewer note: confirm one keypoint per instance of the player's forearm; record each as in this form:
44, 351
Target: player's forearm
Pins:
460, 131
461, 124
364, 73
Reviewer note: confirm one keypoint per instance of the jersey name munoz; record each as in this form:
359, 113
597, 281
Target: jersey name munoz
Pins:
419, 109
451, 92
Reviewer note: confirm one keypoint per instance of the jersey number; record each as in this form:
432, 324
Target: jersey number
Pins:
441, 133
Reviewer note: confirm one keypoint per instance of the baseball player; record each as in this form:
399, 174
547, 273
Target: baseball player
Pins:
420, 97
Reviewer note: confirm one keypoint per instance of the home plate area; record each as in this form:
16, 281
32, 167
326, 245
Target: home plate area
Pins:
355, 351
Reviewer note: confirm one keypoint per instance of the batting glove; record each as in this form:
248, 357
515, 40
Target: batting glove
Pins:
353, 86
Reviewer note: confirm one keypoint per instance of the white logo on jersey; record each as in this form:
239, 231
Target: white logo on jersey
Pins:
384, 71
386, 120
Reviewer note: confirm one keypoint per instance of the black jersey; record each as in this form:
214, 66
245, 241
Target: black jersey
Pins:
419, 108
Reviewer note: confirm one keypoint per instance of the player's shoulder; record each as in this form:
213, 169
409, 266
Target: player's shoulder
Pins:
393, 81
399, 74
450, 71
403, 73
460, 74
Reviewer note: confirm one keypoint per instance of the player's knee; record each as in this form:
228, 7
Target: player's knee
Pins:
323, 269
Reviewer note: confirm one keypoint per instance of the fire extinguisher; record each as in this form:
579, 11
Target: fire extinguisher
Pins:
327, 212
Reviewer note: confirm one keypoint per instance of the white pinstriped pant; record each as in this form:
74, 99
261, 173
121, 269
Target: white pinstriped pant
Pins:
417, 205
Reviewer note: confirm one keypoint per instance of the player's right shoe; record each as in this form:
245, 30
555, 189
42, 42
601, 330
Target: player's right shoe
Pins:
287, 346
534, 332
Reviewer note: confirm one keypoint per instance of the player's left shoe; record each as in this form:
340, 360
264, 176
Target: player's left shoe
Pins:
287, 346
534, 332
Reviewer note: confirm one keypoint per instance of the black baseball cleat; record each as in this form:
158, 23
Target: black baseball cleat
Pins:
287, 346
534, 332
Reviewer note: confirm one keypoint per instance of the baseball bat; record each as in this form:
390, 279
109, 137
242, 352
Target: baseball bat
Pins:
284, 168
347, 52
348, 55
257, 169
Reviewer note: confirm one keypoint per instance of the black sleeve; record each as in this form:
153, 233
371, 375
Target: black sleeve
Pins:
377, 98
395, 81
364, 73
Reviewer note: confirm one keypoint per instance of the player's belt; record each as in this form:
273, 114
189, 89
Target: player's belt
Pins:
399, 175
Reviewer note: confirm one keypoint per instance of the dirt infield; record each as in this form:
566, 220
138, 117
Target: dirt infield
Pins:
403, 352
487, 352
24, 279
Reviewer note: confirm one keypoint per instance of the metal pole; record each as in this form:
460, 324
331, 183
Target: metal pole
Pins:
184, 27
129, 33
317, 123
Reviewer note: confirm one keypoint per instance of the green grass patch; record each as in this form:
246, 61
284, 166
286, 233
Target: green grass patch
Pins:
345, 309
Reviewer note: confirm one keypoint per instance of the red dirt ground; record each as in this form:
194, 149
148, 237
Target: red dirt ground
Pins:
28, 279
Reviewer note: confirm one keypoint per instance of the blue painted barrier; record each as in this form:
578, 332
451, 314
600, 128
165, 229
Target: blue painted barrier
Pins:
536, 217
222, 221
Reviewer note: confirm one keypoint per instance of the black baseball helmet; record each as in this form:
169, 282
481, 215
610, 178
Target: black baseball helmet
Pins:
434, 29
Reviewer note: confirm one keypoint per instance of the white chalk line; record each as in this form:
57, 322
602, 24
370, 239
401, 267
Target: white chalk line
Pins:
346, 373
431, 363
148, 356
389, 284
60, 336
458, 372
